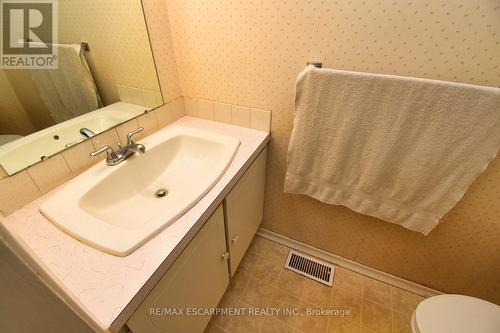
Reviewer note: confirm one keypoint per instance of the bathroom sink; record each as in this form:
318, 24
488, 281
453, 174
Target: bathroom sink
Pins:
118, 208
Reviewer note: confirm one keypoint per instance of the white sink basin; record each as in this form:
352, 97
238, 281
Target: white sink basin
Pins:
116, 209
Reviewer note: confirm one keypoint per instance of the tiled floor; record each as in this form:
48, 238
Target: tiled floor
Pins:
262, 282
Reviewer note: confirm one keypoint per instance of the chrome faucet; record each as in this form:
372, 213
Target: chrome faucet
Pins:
86, 132
114, 157
86, 135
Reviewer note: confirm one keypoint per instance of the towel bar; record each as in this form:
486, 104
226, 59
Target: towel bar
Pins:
320, 65
85, 46
315, 64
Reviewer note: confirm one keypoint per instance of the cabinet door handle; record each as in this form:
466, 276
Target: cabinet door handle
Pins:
235, 239
225, 256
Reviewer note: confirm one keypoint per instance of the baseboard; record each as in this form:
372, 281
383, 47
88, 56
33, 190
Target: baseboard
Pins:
349, 264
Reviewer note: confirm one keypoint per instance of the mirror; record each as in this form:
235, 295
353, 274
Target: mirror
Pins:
105, 75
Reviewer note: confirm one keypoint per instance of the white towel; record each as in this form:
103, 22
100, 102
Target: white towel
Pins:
401, 149
68, 91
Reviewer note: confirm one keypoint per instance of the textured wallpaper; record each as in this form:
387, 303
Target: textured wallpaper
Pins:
250, 52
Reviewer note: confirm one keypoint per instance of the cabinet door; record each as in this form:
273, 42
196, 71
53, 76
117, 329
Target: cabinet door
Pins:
197, 279
244, 209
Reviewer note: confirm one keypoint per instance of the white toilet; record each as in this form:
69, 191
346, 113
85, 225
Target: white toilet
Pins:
456, 314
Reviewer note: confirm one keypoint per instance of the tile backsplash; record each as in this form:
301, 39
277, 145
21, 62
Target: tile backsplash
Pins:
17, 191
226, 113
50, 173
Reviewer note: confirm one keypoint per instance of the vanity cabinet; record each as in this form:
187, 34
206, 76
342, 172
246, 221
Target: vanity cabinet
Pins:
244, 207
197, 279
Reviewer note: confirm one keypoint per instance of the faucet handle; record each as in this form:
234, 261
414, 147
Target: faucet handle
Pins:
131, 134
110, 152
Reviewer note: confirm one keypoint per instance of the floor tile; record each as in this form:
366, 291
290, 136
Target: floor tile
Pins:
284, 301
343, 325
212, 328
291, 282
316, 293
257, 293
276, 249
237, 286
245, 324
404, 301
273, 325
222, 320
310, 321
261, 281
376, 317
347, 279
367, 330
376, 291
401, 322
346, 299
268, 268
249, 262
257, 246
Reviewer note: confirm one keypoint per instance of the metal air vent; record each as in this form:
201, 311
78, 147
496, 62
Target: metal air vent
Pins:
310, 267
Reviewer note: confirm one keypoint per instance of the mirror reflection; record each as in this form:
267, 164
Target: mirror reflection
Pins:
105, 76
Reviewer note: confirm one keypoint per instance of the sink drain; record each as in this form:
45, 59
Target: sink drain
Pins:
161, 193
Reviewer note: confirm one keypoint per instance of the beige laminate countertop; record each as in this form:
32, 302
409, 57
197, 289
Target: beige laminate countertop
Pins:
106, 289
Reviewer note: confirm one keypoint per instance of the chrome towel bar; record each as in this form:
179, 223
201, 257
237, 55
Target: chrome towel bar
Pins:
315, 64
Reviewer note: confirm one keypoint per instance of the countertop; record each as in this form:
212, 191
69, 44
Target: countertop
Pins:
106, 289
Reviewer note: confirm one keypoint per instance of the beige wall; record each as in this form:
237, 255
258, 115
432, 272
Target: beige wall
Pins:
249, 53
13, 118
119, 47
